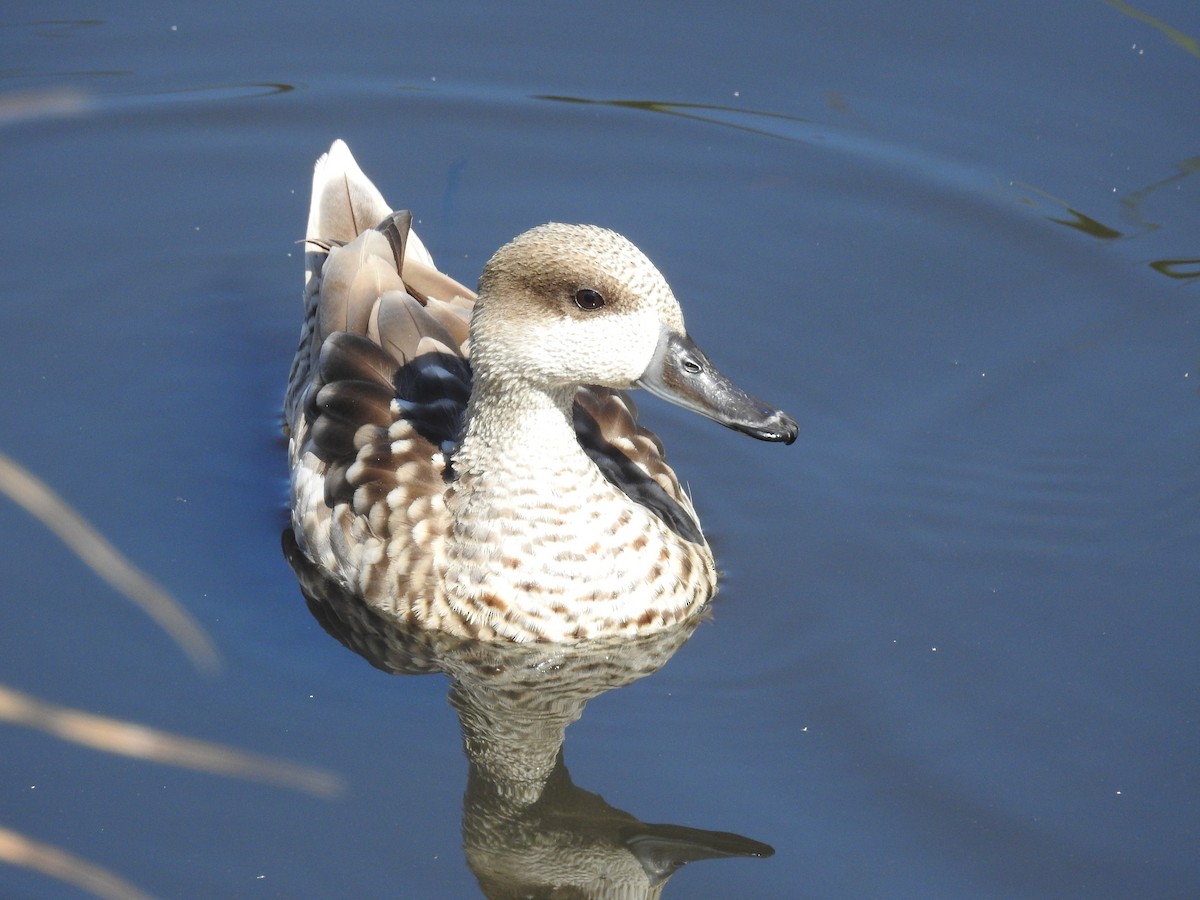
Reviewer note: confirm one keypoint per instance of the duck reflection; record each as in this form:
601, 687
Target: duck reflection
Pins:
528, 830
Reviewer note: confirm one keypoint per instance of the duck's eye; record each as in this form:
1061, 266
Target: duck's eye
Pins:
586, 298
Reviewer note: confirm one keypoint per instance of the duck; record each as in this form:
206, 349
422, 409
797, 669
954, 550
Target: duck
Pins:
470, 463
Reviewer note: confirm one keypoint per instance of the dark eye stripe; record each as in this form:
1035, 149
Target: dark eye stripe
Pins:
587, 299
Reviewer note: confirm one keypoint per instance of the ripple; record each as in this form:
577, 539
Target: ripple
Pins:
217, 93
941, 171
1037, 503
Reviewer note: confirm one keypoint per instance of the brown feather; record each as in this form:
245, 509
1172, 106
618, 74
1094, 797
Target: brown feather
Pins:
631, 457
455, 319
427, 281
351, 357
358, 402
402, 322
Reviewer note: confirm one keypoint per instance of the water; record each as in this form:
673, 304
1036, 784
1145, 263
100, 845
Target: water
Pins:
954, 651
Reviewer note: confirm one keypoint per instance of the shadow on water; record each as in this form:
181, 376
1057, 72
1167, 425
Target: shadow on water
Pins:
528, 830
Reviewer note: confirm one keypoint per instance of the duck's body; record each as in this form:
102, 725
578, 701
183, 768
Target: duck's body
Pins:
511, 496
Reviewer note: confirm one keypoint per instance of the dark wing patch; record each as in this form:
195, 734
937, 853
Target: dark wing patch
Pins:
433, 390
630, 457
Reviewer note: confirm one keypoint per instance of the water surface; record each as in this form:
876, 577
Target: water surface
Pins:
954, 653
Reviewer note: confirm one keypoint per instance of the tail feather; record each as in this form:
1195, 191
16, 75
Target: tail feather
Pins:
344, 201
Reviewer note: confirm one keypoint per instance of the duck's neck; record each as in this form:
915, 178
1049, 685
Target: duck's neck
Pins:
514, 422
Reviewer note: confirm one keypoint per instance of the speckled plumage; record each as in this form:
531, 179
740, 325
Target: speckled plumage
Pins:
470, 464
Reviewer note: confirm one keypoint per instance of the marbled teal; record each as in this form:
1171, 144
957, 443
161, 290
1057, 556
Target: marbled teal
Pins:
470, 463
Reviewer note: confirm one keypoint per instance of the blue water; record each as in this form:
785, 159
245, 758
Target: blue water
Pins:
954, 654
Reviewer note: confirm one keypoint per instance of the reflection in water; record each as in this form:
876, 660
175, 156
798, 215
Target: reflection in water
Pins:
797, 129
53, 29
142, 742
19, 850
23, 106
1085, 223
1132, 203
215, 93
769, 124
1190, 44
1132, 206
46, 103
1185, 269
36, 497
528, 830
114, 735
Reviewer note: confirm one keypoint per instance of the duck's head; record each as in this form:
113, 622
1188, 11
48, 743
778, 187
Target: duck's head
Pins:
565, 305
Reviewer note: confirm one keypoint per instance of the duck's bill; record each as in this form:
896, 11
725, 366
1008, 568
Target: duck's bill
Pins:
682, 374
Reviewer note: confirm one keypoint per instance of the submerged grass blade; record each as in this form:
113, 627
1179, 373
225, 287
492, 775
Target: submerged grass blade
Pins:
18, 850
36, 497
143, 742
1188, 43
